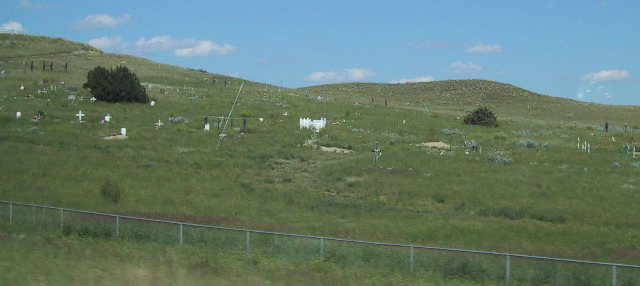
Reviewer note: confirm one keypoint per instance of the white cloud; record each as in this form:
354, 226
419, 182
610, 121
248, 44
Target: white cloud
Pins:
484, 49
203, 49
159, 43
358, 74
179, 47
24, 4
461, 68
100, 21
107, 42
323, 77
184, 47
415, 79
606, 76
353, 74
15, 27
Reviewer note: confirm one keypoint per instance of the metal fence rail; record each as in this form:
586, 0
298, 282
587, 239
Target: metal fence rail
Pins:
321, 239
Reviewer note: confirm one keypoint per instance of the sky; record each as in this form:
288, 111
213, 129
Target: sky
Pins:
586, 50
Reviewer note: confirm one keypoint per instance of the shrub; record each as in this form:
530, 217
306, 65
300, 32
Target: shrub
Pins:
529, 143
500, 136
446, 131
111, 191
495, 157
178, 119
119, 85
481, 116
245, 114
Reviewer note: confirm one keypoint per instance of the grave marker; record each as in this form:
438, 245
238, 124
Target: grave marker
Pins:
159, 123
80, 115
377, 153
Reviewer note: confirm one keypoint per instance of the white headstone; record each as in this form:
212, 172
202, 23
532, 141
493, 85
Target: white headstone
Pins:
80, 115
206, 127
107, 118
22, 87
260, 119
123, 131
153, 103
18, 114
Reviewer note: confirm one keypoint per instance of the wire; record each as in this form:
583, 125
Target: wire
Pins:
229, 117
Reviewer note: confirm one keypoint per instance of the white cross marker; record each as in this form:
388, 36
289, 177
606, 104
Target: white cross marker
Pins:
80, 115
159, 123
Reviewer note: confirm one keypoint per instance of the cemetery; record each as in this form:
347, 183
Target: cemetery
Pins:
364, 161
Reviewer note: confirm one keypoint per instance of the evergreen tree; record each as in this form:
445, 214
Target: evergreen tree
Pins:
119, 85
481, 116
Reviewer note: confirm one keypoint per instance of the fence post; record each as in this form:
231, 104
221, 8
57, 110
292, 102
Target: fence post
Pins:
247, 241
508, 270
411, 260
613, 275
62, 219
181, 230
117, 226
322, 248
10, 213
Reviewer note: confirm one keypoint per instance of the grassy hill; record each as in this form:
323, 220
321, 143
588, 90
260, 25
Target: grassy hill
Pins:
552, 199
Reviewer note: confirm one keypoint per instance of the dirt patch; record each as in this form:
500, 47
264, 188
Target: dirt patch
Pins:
437, 145
115, 137
335, 149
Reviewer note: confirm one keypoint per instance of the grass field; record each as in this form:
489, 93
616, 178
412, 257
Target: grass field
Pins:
552, 199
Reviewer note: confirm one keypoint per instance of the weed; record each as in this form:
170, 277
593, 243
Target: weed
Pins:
178, 119
495, 157
111, 191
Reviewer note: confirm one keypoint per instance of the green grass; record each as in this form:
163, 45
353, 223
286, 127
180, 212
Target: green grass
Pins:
551, 201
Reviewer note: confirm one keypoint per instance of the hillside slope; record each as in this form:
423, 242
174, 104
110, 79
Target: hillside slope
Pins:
549, 198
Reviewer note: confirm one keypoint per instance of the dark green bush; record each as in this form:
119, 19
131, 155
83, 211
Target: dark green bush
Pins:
481, 116
111, 191
119, 85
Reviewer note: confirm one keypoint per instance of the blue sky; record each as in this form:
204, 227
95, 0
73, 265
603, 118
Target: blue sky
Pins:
584, 50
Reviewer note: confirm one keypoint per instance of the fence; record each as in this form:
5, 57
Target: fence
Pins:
101, 226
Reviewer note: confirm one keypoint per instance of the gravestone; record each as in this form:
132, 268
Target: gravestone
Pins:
80, 115
18, 114
107, 118
123, 131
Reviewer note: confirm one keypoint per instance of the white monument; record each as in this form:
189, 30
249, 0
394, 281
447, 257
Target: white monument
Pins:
80, 115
